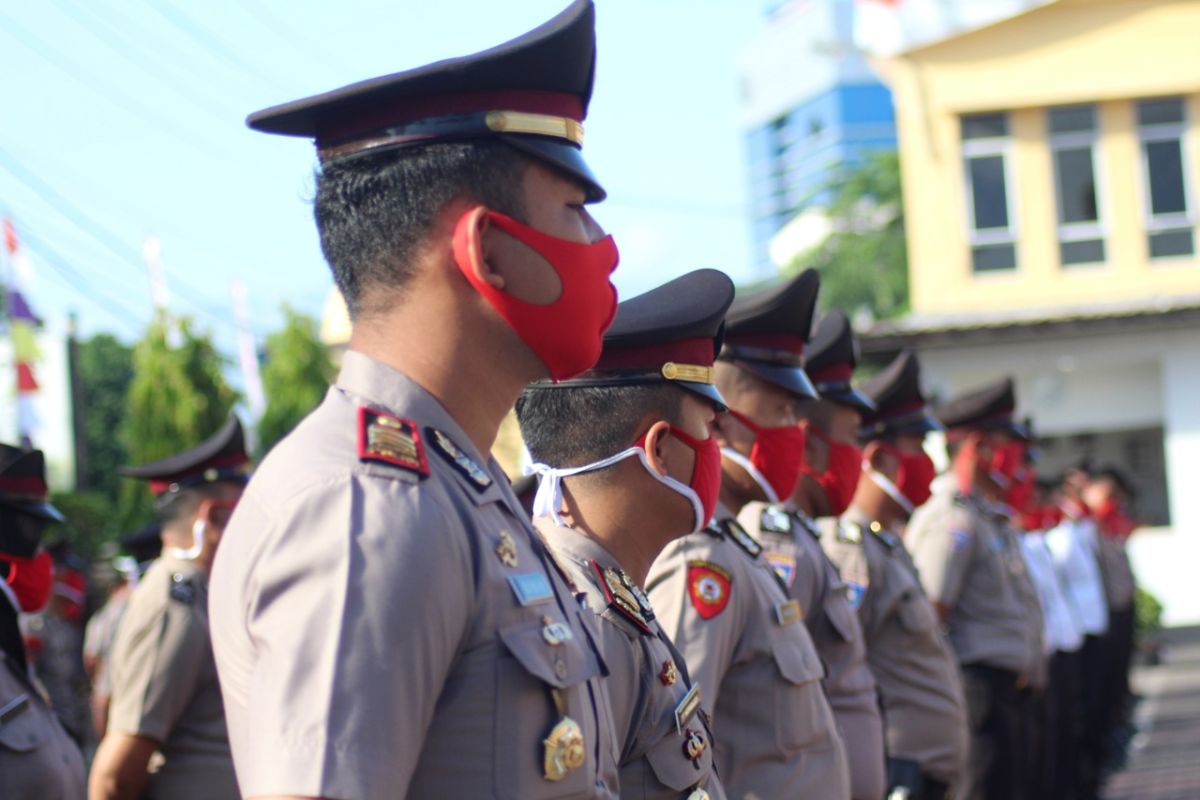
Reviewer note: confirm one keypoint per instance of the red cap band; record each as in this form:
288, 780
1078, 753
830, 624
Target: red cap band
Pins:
688, 351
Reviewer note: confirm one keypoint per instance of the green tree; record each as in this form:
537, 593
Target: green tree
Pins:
178, 398
864, 261
295, 376
105, 372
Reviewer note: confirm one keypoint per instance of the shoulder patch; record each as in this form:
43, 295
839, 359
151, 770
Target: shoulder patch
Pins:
454, 455
709, 588
774, 520
784, 566
624, 596
854, 594
738, 534
387, 439
849, 532
182, 589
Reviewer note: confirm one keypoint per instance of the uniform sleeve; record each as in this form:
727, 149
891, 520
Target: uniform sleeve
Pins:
627, 687
811, 584
156, 669
355, 607
943, 555
708, 645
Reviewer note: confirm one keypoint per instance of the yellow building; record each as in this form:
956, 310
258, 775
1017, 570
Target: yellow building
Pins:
1051, 171
1052, 158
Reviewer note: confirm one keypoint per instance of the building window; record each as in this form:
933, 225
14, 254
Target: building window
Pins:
989, 206
1170, 228
1072, 148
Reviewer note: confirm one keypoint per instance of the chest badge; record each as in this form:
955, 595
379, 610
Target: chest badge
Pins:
709, 587
668, 674
694, 746
506, 550
563, 749
462, 462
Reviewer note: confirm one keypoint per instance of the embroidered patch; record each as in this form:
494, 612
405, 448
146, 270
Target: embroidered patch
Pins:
774, 520
531, 588
618, 589
742, 539
709, 587
387, 439
855, 593
182, 589
462, 462
784, 566
959, 538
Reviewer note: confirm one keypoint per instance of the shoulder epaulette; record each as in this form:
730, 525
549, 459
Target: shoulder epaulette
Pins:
182, 590
734, 531
624, 596
849, 532
889, 539
444, 446
774, 520
384, 438
807, 524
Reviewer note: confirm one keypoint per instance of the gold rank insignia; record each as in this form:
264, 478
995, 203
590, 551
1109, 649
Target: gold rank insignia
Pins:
461, 462
669, 674
506, 549
624, 597
563, 748
387, 439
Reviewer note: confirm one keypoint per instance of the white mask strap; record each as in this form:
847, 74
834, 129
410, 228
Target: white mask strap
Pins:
198, 528
889, 488
758, 477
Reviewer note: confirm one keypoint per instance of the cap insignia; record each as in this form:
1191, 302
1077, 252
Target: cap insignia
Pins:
461, 462
388, 439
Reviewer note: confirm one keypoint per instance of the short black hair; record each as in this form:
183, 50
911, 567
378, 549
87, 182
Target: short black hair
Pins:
570, 427
374, 210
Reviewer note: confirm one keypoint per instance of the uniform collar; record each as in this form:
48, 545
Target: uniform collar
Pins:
377, 384
575, 545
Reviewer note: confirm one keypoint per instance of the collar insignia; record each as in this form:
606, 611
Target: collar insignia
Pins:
775, 520
742, 539
624, 596
462, 462
387, 439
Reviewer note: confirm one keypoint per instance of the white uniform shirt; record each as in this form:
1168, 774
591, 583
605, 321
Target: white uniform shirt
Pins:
1061, 629
1073, 545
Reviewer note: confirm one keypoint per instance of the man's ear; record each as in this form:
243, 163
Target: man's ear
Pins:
880, 459
655, 441
472, 229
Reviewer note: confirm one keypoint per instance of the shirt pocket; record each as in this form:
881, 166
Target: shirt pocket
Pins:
796, 690
529, 672
670, 764
915, 613
25, 730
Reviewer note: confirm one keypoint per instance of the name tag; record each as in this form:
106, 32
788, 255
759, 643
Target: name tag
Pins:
531, 588
687, 708
787, 613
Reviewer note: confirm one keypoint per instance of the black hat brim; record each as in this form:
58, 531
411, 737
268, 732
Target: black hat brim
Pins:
42, 509
850, 397
791, 379
565, 157
707, 391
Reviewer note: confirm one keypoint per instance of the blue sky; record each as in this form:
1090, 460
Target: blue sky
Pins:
125, 119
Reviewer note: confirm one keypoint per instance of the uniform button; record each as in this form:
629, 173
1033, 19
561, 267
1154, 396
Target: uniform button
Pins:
560, 669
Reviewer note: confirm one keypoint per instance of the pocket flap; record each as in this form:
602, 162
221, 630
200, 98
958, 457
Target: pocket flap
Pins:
566, 663
795, 656
840, 614
673, 768
22, 729
916, 613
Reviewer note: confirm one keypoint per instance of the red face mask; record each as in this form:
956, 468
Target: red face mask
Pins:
706, 472
915, 475
840, 478
776, 457
566, 334
1007, 459
30, 580
1021, 491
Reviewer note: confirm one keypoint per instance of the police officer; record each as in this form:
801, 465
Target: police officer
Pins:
792, 542
970, 571
166, 735
628, 464
380, 599
919, 686
38, 759
716, 594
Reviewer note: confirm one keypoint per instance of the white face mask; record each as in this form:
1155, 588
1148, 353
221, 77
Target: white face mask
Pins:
549, 498
198, 529
754, 474
889, 488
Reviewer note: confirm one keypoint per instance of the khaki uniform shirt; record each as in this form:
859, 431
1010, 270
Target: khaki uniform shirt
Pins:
746, 646
656, 713
960, 556
791, 543
378, 603
919, 685
1119, 584
38, 760
164, 683
1038, 671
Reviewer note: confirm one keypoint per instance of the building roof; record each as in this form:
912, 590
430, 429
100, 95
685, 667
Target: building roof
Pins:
955, 330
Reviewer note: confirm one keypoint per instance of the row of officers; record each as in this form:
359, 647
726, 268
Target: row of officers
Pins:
740, 576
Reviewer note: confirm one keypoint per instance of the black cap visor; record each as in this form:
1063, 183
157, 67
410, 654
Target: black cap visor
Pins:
563, 156
790, 379
707, 391
42, 509
848, 396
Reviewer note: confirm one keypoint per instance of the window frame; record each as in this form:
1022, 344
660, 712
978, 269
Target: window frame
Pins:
1174, 221
983, 147
1076, 232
